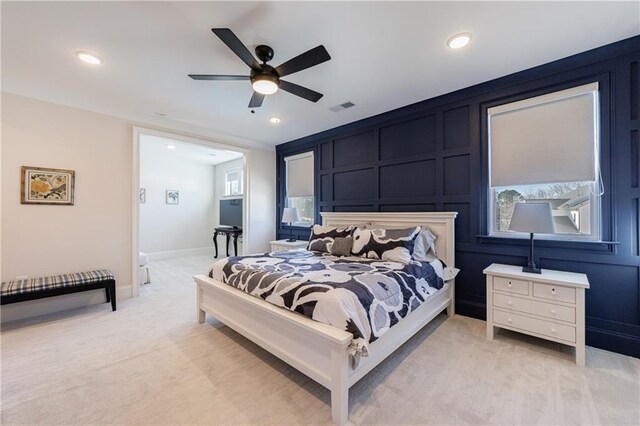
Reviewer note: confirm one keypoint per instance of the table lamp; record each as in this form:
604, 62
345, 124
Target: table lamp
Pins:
290, 215
533, 218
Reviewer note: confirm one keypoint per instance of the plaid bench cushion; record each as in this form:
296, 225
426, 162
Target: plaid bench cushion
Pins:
30, 285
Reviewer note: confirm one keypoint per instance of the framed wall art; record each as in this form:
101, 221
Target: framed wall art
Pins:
40, 185
172, 196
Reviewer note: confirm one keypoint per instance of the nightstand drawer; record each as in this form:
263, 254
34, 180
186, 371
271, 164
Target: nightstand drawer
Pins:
553, 292
563, 313
511, 285
545, 328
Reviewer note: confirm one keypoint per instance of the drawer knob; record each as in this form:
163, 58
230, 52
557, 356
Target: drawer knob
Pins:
553, 330
553, 312
553, 291
509, 320
509, 303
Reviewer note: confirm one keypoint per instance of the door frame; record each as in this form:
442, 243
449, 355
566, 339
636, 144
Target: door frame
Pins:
135, 190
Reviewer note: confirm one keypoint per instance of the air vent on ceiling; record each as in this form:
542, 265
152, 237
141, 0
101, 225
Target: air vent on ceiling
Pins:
342, 106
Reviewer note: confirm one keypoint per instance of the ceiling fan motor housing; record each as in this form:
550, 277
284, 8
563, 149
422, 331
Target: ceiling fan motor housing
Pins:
267, 74
264, 53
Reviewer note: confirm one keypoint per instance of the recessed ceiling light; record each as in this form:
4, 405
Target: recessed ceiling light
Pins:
169, 146
89, 58
459, 40
275, 120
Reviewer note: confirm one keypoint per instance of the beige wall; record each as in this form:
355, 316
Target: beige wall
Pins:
95, 232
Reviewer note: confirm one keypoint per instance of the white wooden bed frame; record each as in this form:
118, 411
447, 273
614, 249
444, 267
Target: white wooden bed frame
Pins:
320, 350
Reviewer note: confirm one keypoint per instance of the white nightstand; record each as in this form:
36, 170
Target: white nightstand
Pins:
284, 245
548, 305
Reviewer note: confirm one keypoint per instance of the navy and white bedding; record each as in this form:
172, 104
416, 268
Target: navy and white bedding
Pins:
362, 296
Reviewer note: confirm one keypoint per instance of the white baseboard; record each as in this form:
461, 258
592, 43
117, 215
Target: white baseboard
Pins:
159, 255
49, 305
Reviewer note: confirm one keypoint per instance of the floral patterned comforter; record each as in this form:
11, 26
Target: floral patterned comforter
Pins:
363, 296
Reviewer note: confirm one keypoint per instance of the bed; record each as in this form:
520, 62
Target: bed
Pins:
321, 351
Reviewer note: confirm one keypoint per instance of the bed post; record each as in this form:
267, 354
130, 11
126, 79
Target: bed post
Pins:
451, 260
200, 314
451, 308
339, 386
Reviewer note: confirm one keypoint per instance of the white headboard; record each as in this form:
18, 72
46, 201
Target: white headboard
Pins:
440, 223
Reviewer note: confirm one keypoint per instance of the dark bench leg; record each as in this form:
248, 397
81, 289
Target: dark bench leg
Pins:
110, 289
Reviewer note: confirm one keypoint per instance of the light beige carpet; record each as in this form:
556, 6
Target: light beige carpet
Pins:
150, 363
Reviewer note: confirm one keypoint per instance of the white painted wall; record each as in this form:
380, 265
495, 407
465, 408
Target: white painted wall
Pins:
220, 170
96, 232
174, 227
262, 200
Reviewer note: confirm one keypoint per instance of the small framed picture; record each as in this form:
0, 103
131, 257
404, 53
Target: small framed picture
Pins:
40, 185
172, 196
143, 195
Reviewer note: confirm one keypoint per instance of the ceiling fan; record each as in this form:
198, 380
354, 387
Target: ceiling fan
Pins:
264, 78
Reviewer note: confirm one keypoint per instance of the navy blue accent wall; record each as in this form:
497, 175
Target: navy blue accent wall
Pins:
432, 156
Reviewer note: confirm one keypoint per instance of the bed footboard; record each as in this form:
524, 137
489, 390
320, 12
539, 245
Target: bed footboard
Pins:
315, 349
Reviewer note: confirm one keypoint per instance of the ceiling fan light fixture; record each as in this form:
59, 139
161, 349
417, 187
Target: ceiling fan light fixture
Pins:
459, 40
265, 84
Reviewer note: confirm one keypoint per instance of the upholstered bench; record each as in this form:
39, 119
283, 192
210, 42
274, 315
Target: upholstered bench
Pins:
55, 285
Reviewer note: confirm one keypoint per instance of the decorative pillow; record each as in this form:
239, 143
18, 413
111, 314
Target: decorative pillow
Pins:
394, 245
322, 237
342, 246
425, 246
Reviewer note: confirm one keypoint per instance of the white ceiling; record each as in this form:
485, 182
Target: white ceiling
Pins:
384, 55
187, 150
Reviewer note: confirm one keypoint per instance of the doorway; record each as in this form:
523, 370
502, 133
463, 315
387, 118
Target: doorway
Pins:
184, 190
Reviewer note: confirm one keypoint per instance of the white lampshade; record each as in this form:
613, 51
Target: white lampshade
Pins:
290, 215
533, 218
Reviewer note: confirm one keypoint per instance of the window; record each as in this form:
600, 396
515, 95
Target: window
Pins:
571, 205
233, 182
545, 149
299, 189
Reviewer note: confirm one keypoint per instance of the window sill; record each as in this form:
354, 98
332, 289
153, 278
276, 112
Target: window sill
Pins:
302, 226
559, 244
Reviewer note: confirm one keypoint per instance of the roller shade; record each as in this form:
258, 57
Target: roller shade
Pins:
300, 175
546, 139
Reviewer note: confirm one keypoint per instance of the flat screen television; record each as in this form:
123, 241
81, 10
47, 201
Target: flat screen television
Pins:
231, 212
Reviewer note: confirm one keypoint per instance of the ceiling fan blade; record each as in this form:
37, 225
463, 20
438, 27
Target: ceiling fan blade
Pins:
218, 77
256, 100
229, 38
303, 92
308, 59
